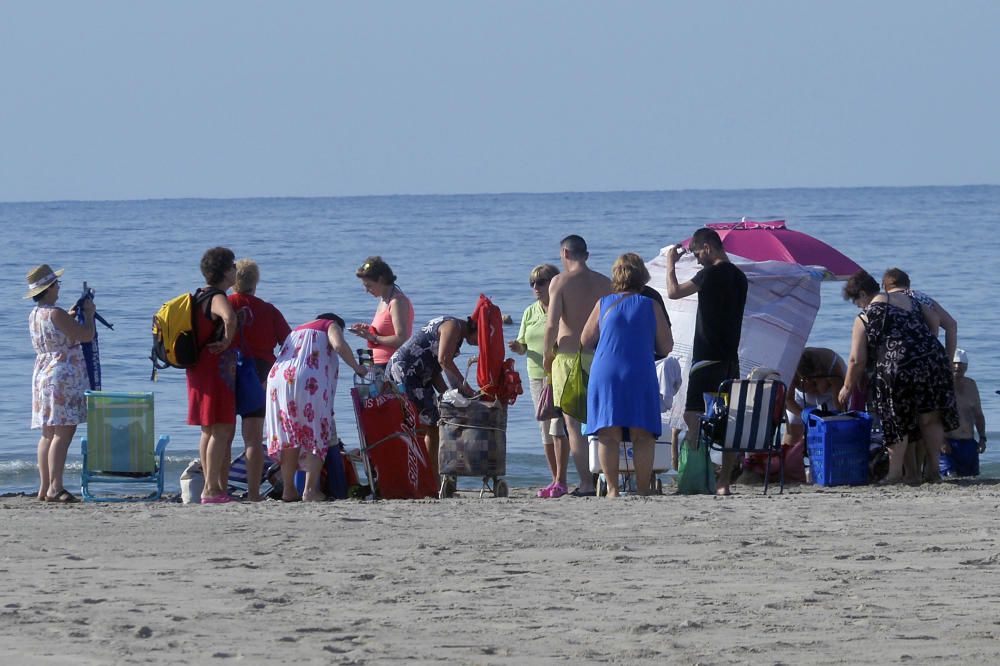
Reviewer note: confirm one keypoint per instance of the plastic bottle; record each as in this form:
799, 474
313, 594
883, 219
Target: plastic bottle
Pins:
366, 359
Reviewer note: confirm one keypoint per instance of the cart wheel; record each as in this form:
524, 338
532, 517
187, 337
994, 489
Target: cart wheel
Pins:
447, 488
500, 488
602, 487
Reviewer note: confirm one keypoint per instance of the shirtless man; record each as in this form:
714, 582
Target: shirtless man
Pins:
722, 296
960, 456
572, 295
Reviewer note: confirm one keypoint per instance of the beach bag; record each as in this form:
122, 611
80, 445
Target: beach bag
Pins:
250, 395
695, 472
795, 467
574, 397
192, 483
175, 334
510, 383
546, 407
333, 477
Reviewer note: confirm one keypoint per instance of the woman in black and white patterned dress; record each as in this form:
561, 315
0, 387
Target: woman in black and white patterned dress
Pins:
912, 386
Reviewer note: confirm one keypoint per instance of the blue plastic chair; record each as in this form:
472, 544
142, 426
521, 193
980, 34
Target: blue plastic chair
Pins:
119, 446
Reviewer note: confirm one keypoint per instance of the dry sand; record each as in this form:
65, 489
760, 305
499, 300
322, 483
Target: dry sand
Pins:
838, 576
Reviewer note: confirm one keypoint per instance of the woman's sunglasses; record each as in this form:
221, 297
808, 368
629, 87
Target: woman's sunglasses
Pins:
538, 283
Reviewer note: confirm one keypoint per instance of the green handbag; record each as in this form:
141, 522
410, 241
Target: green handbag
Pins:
695, 472
574, 395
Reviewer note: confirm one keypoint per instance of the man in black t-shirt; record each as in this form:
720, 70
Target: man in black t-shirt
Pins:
722, 295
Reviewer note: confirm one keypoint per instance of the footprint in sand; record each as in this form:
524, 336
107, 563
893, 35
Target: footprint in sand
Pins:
983, 561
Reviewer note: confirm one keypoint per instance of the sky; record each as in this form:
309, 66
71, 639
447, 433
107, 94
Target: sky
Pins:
136, 100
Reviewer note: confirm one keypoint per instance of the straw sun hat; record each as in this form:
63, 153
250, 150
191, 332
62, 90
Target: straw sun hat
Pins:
41, 278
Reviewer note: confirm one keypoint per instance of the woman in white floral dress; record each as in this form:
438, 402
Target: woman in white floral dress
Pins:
298, 423
59, 378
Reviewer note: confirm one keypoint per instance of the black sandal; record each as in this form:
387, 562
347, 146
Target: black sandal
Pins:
63, 497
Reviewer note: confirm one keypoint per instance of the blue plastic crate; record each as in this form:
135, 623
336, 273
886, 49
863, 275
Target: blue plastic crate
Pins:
838, 447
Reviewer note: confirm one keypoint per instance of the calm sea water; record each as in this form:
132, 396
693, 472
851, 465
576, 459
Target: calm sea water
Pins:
446, 250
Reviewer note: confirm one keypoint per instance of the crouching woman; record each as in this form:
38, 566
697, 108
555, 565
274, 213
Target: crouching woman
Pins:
299, 420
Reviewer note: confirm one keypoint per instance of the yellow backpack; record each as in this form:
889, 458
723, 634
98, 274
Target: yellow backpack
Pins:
175, 332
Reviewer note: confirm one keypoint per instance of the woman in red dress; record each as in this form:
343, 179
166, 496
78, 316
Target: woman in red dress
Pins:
211, 382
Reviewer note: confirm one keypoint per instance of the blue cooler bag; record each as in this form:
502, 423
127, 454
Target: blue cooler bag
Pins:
838, 445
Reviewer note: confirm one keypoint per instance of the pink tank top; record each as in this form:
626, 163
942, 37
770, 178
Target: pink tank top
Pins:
382, 325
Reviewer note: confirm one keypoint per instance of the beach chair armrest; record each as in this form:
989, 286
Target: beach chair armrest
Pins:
161, 446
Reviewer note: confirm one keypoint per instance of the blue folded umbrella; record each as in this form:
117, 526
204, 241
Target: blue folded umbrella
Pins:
91, 350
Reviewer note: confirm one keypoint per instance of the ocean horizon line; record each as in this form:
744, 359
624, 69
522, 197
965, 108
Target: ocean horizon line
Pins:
432, 195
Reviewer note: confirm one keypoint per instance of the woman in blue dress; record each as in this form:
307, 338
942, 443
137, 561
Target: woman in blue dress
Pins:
627, 329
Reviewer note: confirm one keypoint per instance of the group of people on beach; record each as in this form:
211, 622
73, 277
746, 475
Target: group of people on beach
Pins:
928, 409
916, 386
580, 323
296, 424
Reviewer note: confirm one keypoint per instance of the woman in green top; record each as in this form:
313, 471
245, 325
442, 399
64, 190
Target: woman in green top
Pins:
530, 340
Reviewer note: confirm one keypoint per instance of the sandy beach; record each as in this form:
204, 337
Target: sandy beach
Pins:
816, 576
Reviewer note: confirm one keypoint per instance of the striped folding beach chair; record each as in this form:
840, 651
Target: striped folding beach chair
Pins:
752, 415
119, 447
238, 473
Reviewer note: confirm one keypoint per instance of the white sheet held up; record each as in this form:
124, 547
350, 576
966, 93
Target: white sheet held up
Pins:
782, 302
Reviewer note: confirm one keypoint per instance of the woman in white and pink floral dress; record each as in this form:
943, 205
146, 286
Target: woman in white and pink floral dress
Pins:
58, 380
299, 426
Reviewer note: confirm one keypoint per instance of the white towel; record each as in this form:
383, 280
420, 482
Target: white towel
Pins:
668, 374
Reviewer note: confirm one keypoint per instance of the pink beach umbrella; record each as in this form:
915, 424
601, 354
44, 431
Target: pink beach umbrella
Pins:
773, 241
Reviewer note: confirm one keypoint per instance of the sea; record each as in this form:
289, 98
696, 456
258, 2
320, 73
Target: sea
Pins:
446, 250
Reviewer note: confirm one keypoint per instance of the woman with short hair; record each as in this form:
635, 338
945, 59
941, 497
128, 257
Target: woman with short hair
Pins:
59, 379
211, 381
626, 329
530, 340
393, 321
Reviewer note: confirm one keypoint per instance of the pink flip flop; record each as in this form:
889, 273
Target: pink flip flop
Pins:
544, 492
557, 490
216, 499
